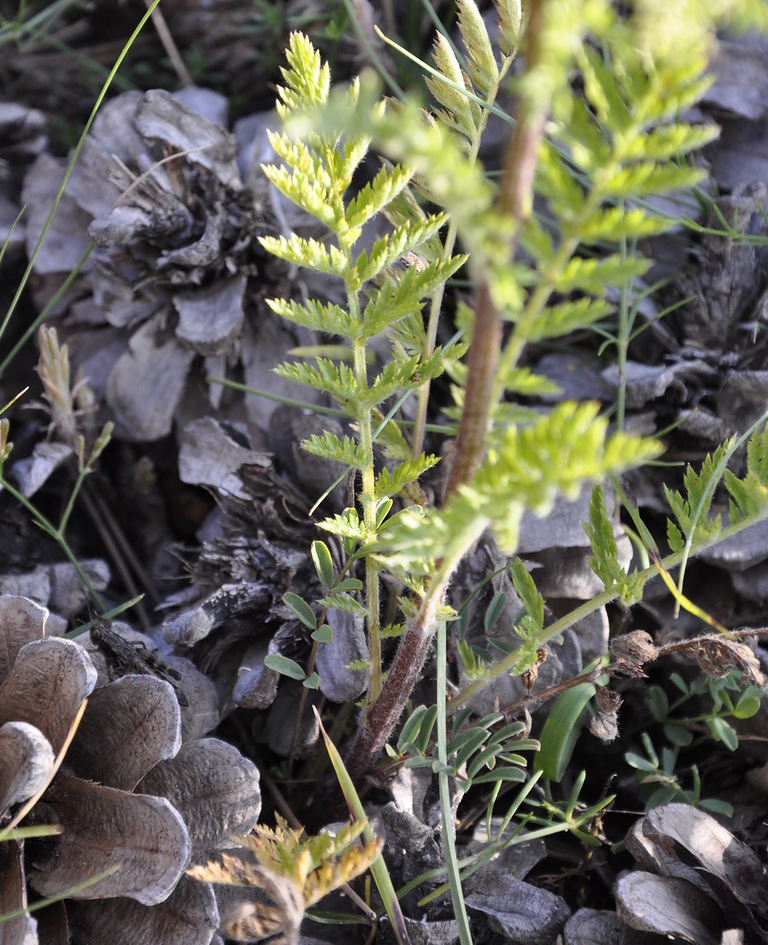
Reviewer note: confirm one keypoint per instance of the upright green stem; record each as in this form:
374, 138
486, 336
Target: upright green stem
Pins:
446, 813
368, 477
515, 198
622, 347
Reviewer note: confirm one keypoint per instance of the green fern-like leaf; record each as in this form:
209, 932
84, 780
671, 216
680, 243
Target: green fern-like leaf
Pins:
345, 526
529, 628
692, 511
390, 248
750, 494
593, 275
481, 62
557, 320
341, 450
510, 22
605, 561
646, 177
304, 252
337, 380
318, 316
398, 299
459, 113
385, 186
345, 603
526, 469
672, 141
391, 482
307, 80
558, 454
618, 223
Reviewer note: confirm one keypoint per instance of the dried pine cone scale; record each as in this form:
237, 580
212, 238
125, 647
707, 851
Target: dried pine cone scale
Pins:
177, 266
139, 712
13, 896
129, 794
144, 837
26, 758
48, 681
189, 916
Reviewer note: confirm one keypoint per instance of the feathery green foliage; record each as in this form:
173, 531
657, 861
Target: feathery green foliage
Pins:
317, 176
614, 139
691, 512
750, 494
605, 561
527, 469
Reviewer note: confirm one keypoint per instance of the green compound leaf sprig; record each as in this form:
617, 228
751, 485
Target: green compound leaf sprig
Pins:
380, 296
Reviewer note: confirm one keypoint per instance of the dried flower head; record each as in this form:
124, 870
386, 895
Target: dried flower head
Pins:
718, 656
605, 725
632, 651
291, 873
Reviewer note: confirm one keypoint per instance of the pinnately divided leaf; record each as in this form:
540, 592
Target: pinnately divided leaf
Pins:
337, 380
692, 511
593, 275
605, 561
401, 375
390, 482
318, 316
459, 113
510, 22
526, 469
481, 63
313, 198
385, 186
393, 246
750, 494
345, 527
307, 78
557, 320
304, 252
397, 299
341, 450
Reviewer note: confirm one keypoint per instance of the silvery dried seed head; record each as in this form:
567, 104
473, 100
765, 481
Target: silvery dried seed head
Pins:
632, 651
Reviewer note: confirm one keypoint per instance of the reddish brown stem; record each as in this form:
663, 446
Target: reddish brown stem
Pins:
382, 716
515, 199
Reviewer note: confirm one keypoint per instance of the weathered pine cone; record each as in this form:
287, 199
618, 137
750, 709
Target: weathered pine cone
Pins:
175, 288
694, 882
128, 794
256, 548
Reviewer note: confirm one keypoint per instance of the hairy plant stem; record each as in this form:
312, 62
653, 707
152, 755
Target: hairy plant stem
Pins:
516, 198
381, 717
368, 480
